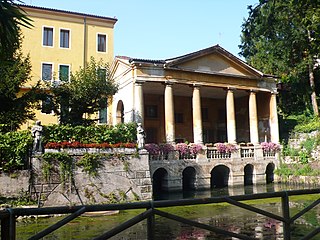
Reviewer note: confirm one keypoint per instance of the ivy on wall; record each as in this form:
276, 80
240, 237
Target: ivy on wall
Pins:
90, 163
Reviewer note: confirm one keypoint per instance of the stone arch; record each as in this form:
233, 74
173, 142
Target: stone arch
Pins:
188, 178
120, 112
248, 174
270, 173
160, 181
219, 176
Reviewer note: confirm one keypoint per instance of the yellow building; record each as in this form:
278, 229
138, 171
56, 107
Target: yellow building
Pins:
61, 42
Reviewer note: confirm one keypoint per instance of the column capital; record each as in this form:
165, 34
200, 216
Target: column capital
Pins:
168, 82
231, 89
251, 90
196, 85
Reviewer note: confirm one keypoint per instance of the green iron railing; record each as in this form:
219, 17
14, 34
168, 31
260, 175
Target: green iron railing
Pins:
8, 216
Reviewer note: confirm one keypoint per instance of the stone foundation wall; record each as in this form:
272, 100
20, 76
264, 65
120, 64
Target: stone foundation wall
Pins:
115, 182
14, 184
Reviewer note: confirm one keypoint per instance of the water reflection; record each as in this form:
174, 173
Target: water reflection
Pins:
224, 216
226, 191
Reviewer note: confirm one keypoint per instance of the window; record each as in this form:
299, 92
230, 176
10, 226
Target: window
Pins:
64, 73
47, 36
47, 105
205, 114
46, 71
222, 115
103, 115
64, 38
178, 117
151, 111
102, 72
102, 43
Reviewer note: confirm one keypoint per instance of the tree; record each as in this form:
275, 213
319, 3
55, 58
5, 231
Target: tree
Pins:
17, 105
11, 18
85, 94
283, 38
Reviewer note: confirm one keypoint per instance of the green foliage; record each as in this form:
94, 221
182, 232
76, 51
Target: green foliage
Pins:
284, 170
304, 157
292, 152
125, 132
14, 150
65, 162
297, 170
24, 199
283, 38
16, 106
11, 18
126, 165
307, 125
90, 164
85, 94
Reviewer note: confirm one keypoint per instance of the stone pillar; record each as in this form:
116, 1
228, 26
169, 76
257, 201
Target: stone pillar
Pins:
139, 103
196, 114
253, 118
169, 113
273, 119
231, 119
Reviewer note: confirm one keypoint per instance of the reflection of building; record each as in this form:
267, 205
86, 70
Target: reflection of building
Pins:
203, 97
61, 42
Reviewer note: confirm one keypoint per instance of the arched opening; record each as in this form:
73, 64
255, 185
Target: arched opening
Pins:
248, 175
270, 173
188, 179
219, 176
159, 182
120, 112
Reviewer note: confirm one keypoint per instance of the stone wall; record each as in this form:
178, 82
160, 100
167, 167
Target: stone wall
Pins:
297, 139
116, 182
14, 184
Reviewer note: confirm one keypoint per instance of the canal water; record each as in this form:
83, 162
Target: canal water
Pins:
224, 216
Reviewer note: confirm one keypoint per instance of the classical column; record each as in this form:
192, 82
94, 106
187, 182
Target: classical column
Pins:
231, 119
169, 113
139, 103
196, 113
273, 119
253, 118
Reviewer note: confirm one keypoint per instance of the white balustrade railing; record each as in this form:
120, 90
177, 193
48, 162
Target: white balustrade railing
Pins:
213, 153
247, 152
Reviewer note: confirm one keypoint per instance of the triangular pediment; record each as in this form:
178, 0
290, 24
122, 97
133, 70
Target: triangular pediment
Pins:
214, 60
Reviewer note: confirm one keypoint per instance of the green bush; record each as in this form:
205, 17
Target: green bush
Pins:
308, 124
14, 150
125, 132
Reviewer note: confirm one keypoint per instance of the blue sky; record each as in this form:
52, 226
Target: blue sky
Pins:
161, 29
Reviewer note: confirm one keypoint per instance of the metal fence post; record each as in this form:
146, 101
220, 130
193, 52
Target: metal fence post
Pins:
5, 226
286, 216
151, 223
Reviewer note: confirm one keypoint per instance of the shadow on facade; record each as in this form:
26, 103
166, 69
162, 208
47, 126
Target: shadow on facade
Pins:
270, 173
219, 177
248, 175
160, 182
188, 179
